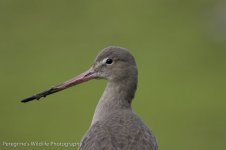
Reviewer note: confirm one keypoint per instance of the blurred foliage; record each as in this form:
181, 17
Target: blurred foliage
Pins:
179, 46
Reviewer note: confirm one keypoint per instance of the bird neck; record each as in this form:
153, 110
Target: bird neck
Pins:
118, 95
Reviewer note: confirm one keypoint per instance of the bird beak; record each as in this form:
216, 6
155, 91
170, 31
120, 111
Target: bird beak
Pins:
86, 76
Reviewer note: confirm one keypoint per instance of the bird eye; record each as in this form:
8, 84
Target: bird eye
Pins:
109, 61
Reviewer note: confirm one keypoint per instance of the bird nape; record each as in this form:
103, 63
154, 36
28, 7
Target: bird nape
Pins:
114, 124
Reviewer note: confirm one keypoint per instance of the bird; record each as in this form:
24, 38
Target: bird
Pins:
115, 126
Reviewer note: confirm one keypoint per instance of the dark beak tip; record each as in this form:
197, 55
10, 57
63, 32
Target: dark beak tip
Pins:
40, 95
27, 99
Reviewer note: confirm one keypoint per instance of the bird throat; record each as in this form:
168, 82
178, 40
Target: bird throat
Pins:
116, 96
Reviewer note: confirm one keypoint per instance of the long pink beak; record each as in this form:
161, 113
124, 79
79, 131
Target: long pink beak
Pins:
87, 75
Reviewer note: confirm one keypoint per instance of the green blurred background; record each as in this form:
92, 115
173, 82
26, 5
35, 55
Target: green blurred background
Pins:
179, 46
